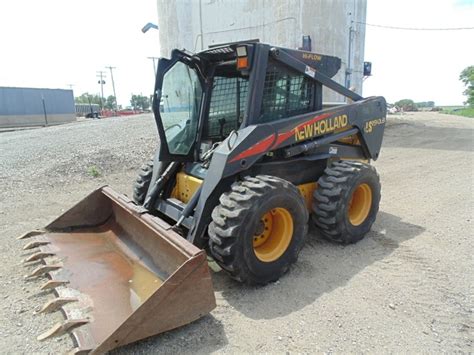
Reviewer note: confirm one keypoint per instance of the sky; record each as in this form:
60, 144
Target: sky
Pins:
419, 65
55, 43
58, 43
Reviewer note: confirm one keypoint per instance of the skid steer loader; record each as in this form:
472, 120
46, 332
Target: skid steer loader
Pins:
248, 154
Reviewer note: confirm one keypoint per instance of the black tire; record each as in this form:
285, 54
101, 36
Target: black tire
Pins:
332, 210
234, 226
140, 187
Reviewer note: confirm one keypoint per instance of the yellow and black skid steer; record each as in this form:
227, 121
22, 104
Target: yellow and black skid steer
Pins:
247, 156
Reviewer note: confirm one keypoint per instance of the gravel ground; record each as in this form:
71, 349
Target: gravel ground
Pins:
407, 287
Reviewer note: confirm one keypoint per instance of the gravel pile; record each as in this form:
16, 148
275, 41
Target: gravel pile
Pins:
43, 172
69, 154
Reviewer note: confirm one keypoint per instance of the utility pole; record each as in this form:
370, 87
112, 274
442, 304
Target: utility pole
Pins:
113, 86
352, 31
349, 55
101, 76
71, 88
44, 111
154, 63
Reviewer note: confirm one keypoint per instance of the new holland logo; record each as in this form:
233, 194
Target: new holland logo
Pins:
321, 127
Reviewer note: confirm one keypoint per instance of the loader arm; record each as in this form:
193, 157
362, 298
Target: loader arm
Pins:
367, 116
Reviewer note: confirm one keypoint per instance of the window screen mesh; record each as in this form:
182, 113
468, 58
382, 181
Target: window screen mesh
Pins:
228, 100
285, 94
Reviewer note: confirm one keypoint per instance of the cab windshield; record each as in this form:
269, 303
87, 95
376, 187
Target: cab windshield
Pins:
179, 107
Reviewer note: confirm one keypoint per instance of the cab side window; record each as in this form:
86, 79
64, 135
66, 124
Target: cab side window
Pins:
286, 93
226, 111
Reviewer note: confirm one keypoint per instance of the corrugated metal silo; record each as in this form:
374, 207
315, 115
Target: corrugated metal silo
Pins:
336, 27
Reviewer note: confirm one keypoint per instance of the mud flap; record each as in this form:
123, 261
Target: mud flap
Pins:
120, 275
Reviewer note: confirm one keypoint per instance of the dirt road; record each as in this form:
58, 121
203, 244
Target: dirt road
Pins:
407, 287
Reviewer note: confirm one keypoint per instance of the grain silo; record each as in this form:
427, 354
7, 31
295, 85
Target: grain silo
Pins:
332, 27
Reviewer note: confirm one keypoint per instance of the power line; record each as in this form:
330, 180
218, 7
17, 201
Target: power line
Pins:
416, 28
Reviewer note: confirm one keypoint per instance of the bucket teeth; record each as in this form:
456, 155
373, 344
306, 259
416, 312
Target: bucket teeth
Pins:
33, 263
41, 270
79, 351
30, 234
61, 328
34, 244
56, 303
53, 284
37, 256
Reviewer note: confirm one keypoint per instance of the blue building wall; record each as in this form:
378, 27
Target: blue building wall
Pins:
21, 107
28, 101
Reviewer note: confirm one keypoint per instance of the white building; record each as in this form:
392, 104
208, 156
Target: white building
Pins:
335, 27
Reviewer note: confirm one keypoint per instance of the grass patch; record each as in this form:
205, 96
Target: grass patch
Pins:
93, 171
466, 112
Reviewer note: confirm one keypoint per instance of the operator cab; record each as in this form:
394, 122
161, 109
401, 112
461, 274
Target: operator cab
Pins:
205, 96
202, 97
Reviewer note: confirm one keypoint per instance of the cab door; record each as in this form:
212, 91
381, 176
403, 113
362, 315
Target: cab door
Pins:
177, 104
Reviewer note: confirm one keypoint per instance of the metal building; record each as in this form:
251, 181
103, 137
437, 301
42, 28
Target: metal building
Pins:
20, 107
335, 27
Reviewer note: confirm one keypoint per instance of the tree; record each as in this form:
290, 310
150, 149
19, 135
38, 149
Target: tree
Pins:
424, 104
140, 102
406, 105
467, 77
110, 102
85, 97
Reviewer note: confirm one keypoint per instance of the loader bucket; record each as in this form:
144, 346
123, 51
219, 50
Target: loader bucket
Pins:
120, 274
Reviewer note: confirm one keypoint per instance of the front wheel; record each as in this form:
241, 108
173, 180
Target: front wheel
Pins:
258, 229
346, 202
142, 182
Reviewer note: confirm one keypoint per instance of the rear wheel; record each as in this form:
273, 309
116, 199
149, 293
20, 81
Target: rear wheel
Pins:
346, 202
258, 229
140, 187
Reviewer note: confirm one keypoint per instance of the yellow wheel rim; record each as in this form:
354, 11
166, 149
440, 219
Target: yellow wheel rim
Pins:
273, 234
360, 204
